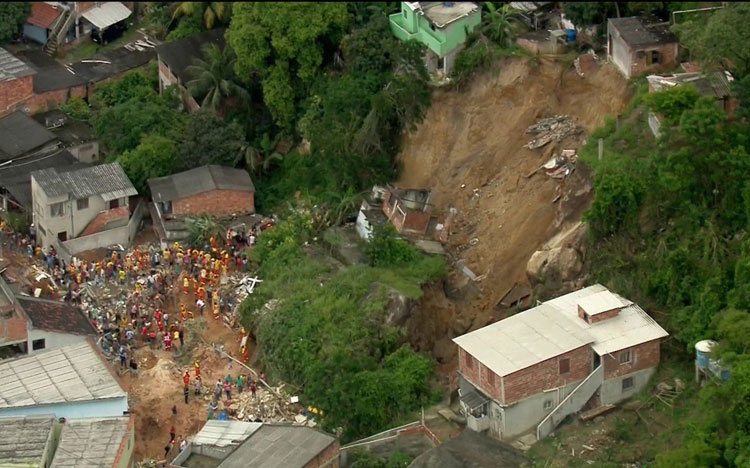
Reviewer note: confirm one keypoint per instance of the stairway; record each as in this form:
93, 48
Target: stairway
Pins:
57, 35
571, 403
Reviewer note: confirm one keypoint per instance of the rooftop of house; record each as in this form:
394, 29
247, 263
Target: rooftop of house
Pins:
470, 450
199, 180
68, 374
214, 433
11, 67
179, 54
109, 63
16, 177
20, 134
90, 442
55, 316
441, 14
413, 199
50, 74
107, 180
637, 33
279, 446
24, 439
106, 14
43, 14
554, 327
716, 84
69, 131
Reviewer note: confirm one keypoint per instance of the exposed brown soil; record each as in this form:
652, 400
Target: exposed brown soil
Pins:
473, 139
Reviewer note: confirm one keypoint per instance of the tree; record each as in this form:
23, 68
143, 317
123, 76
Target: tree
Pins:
285, 44
210, 12
741, 90
208, 139
723, 40
672, 102
584, 14
202, 228
155, 156
12, 17
188, 26
214, 81
258, 158
498, 22
76, 108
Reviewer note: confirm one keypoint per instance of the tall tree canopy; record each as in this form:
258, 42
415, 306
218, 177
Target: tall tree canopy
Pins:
211, 13
155, 156
214, 81
209, 139
12, 17
285, 44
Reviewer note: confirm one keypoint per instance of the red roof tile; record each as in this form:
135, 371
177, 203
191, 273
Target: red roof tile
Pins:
43, 14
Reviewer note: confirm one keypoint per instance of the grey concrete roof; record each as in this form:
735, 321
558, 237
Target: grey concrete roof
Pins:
115, 61
107, 180
179, 54
16, 177
637, 33
90, 442
50, 74
442, 15
20, 134
24, 439
279, 446
223, 433
470, 450
199, 180
11, 67
68, 374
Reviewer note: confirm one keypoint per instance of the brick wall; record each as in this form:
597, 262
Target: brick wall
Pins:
479, 375
101, 220
15, 93
667, 59
546, 375
43, 102
216, 202
328, 458
643, 356
600, 316
13, 329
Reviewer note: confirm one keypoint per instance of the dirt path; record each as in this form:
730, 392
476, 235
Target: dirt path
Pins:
473, 139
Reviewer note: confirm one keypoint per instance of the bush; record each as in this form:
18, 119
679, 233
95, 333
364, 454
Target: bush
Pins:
616, 203
386, 249
77, 108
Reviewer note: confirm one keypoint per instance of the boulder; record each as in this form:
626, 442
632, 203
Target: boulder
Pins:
554, 266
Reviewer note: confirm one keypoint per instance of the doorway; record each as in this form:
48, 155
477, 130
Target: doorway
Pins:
597, 361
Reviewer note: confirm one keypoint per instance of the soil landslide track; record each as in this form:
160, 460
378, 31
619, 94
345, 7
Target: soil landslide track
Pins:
473, 139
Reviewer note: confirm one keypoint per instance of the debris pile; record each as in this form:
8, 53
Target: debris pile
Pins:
550, 129
585, 62
562, 165
266, 406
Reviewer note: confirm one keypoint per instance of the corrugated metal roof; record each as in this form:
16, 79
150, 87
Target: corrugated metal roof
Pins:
107, 180
11, 67
107, 14
279, 446
554, 328
90, 442
199, 180
24, 439
224, 433
20, 134
68, 374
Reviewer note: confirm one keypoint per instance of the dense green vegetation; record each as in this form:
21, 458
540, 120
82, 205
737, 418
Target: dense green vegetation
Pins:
669, 227
327, 329
12, 17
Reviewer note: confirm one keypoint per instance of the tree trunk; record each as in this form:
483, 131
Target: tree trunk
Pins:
617, 9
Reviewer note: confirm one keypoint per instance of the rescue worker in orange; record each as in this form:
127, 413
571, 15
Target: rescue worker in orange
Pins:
183, 312
197, 366
185, 285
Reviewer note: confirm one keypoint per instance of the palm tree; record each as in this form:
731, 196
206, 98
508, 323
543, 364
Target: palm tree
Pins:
214, 78
213, 12
258, 160
497, 25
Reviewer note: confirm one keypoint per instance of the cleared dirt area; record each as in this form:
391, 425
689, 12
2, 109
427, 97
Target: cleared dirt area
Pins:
469, 151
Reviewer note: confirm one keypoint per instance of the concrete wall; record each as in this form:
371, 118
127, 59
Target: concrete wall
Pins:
328, 458
86, 152
124, 456
611, 391
53, 340
617, 50
634, 62
82, 409
221, 203
571, 403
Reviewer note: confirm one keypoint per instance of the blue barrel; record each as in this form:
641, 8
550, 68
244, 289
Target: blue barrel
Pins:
703, 352
570, 35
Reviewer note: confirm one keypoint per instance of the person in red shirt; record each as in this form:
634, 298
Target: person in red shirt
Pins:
186, 378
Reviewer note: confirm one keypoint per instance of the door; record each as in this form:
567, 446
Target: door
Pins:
114, 204
431, 225
597, 361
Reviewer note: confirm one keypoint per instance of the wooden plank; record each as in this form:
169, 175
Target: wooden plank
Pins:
592, 413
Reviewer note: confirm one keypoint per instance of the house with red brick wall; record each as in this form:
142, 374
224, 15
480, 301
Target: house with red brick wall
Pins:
16, 83
527, 372
411, 214
637, 47
174, 57
216, 191
84, 209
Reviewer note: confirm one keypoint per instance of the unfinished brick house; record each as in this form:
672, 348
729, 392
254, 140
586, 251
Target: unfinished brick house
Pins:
637, 47
211, 190
16, 83
587, 349
410, 212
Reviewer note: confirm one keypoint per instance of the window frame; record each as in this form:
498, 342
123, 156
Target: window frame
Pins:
560, 361
78, 204
627, 388
547, 405
625, 352
34, 344
52, 207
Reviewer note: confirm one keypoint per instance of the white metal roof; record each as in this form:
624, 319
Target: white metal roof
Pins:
600, 302
107, 14
554, 328
68, 374
524, 339
24, 439
90, 442
224, 433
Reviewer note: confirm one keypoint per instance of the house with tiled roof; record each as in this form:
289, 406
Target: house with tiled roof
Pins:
53, 324
85, 209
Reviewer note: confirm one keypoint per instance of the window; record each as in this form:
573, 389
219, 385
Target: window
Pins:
564, 365
469, 361
441, 63
627, 384
82, 204
114, 204
165, 207
491, 378
654, 56
625, 357
57, 209
547, 405
62, 236
36, 345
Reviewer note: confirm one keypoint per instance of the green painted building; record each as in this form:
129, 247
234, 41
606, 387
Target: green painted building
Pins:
441, 26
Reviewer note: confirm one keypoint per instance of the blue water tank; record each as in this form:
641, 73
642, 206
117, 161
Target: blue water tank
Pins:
703, 352
570, 35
